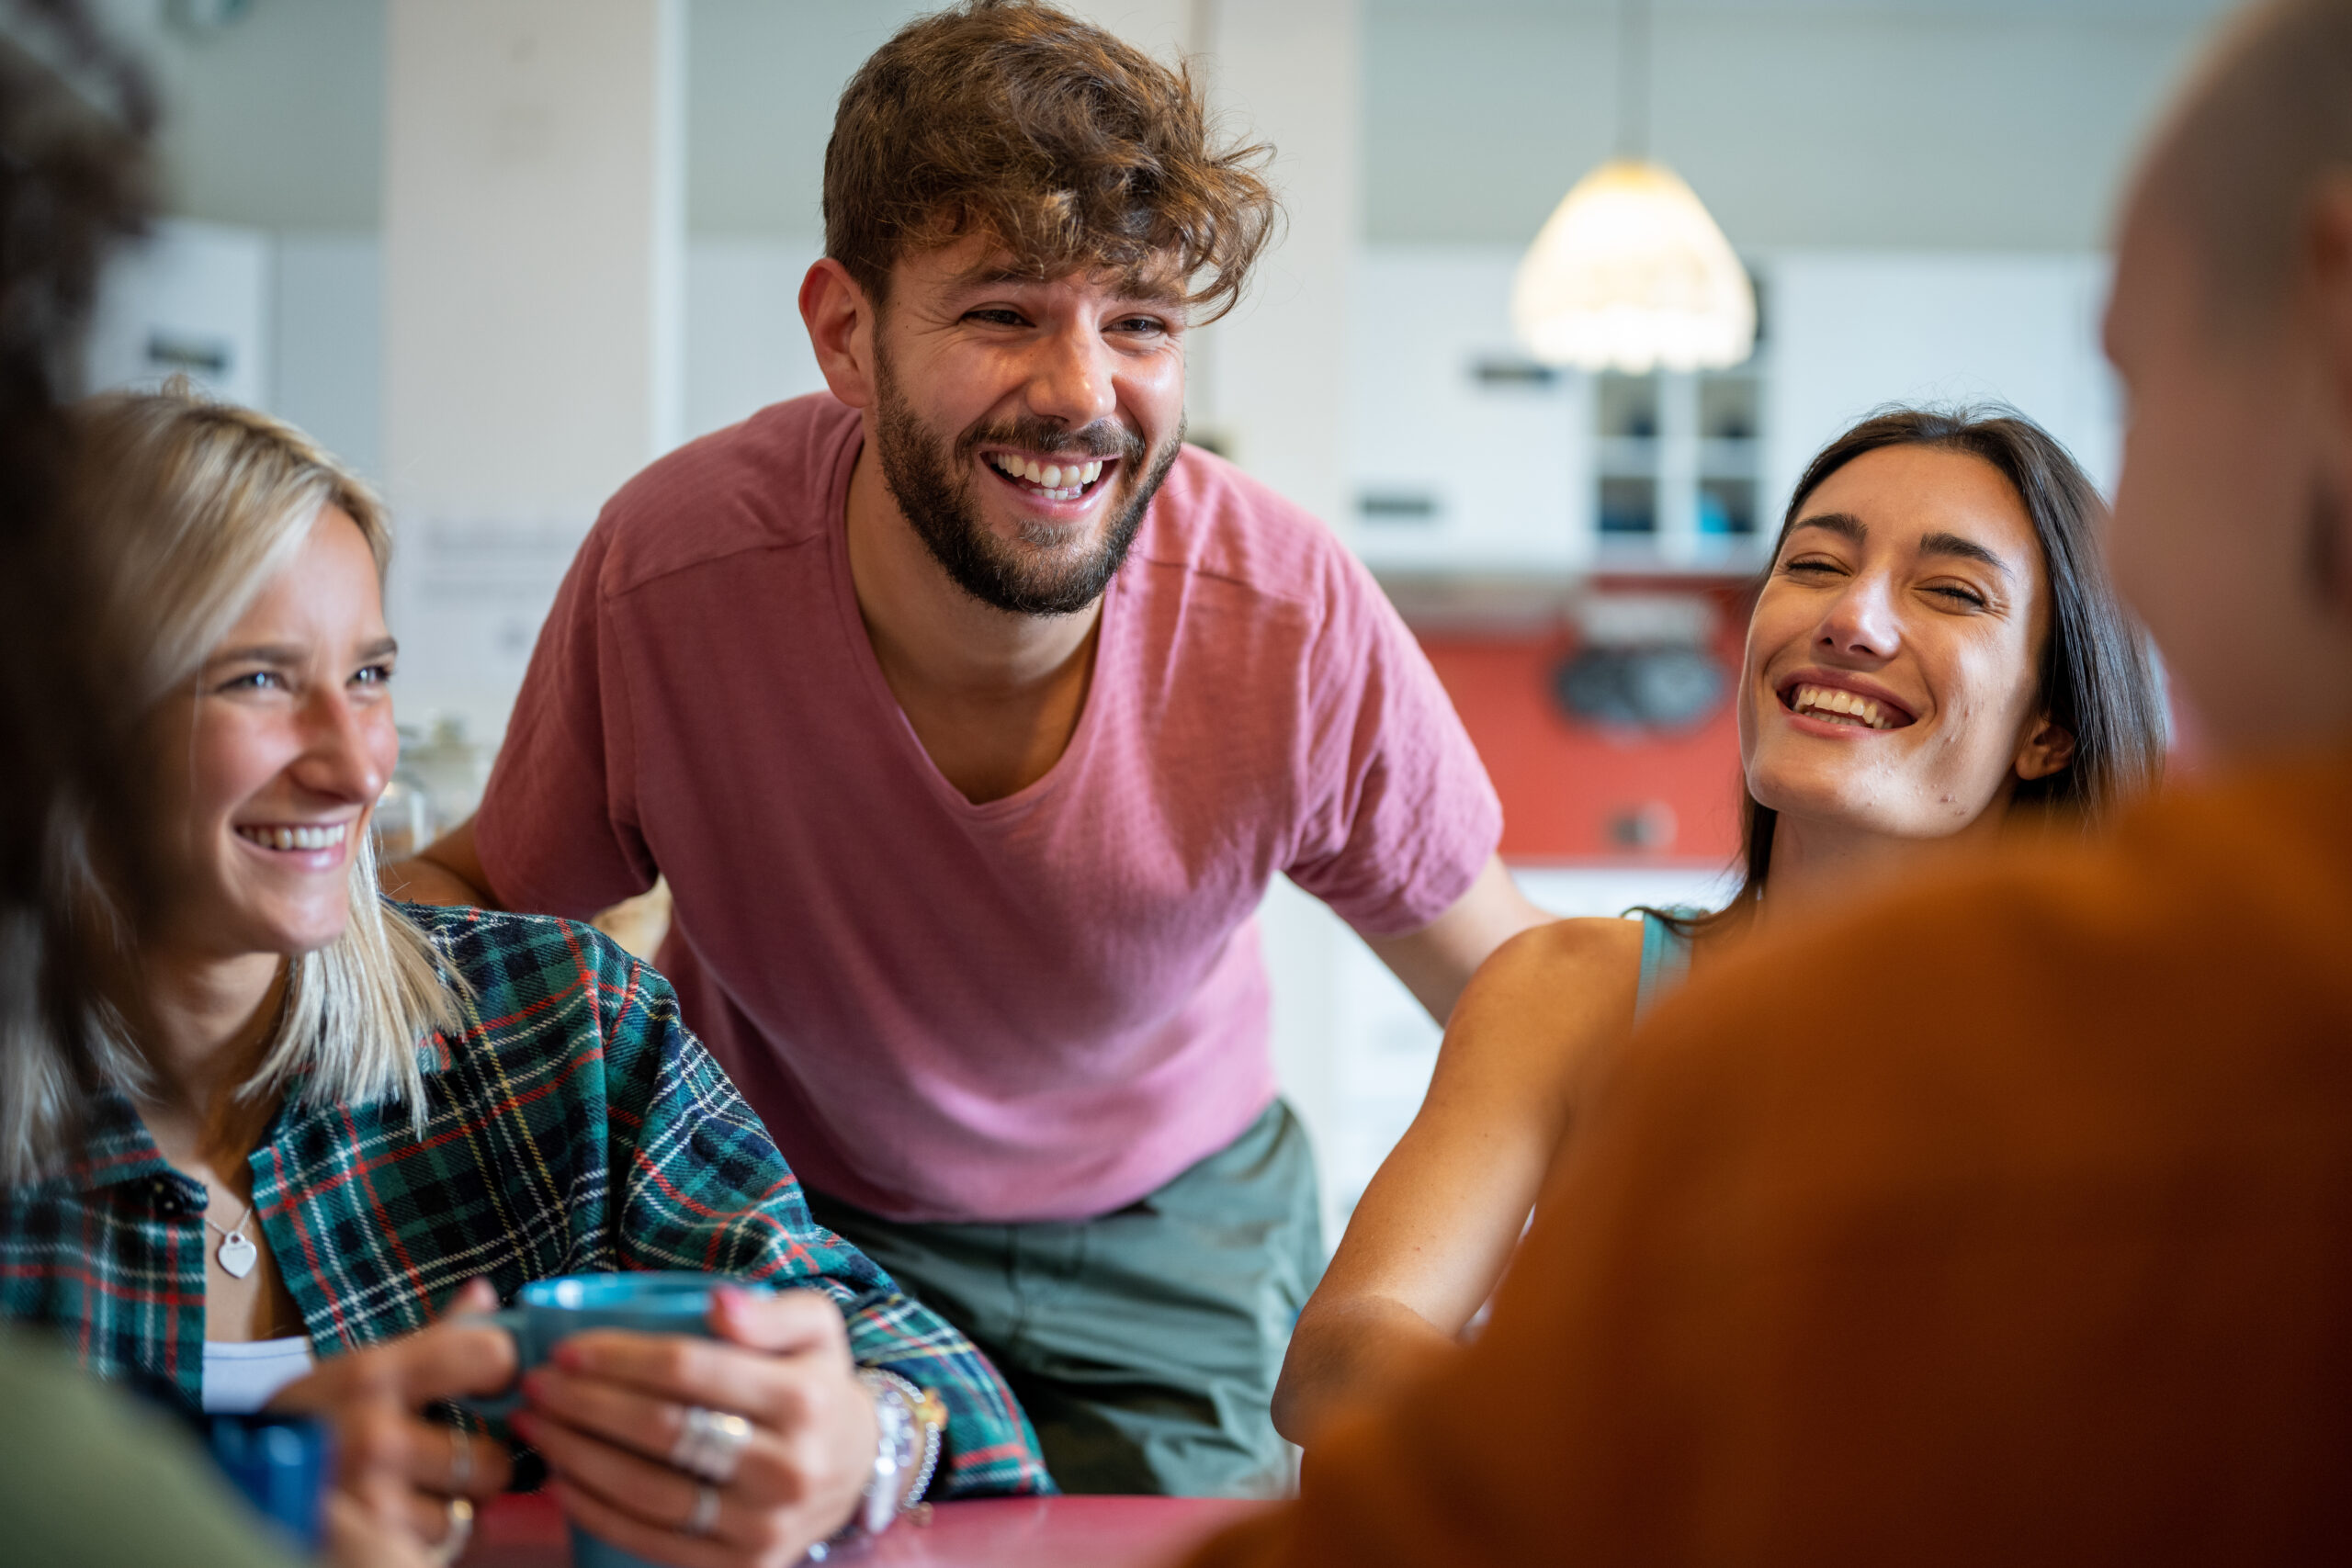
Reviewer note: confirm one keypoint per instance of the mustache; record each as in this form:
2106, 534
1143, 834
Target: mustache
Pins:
1049, 438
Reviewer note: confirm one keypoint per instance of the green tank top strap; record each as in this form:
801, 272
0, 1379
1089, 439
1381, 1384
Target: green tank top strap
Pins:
1666, 961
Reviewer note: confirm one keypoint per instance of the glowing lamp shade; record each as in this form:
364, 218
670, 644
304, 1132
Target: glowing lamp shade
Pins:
1631, 274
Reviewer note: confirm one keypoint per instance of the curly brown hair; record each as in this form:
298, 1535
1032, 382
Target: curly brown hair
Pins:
1071, 149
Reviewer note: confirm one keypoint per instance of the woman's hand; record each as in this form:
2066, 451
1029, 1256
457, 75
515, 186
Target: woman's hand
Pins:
400, 1469
354, 1539
609, 1408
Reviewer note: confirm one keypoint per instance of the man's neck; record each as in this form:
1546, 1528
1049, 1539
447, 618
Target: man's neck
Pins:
994, 696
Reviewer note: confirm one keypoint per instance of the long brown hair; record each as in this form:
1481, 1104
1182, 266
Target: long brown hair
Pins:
2095, 680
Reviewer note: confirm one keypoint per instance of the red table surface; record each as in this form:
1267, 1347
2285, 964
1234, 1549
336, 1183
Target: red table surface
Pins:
527, 1531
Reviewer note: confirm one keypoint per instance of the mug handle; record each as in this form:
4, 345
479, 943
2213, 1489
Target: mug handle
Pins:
500, 1405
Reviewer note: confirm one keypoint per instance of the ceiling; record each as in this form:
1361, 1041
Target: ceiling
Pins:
2104, 11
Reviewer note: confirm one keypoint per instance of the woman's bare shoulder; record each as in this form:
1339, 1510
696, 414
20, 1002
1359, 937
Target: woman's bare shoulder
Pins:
1573, 952
1544, 999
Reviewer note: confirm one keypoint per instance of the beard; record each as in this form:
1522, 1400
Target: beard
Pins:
1049, 570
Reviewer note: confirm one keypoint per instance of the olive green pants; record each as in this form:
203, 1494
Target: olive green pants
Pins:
1144, 1344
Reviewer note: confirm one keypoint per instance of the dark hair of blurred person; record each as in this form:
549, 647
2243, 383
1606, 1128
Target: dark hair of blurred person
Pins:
2005, 1218
75, 116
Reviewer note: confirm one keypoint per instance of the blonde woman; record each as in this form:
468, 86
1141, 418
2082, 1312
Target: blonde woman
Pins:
305, 1119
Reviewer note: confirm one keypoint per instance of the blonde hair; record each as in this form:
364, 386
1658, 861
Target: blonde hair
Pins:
191, 507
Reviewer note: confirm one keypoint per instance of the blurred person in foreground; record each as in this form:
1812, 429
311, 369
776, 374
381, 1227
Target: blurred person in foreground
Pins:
75, 116
1936, 665
303, 1118
968, 712
2010, 1219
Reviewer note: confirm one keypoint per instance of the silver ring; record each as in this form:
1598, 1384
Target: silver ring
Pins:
710, 1444
461, 1460
704, 1514
461, 1530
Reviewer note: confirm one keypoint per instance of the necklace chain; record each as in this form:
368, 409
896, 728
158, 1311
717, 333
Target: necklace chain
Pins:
236, 1253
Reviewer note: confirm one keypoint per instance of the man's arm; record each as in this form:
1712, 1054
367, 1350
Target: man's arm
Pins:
1436, 961
446, 870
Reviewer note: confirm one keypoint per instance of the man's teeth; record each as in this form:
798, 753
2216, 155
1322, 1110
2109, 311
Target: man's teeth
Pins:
1837, 706
324, 838
1060, 482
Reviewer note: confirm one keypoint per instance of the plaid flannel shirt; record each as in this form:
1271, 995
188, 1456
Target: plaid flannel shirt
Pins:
574, 1126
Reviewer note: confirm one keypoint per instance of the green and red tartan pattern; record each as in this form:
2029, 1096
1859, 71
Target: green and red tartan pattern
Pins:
575, 1126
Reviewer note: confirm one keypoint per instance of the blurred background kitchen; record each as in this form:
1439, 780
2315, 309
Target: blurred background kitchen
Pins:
500, 253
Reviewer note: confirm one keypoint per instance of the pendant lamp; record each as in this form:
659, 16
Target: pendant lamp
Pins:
1630, 273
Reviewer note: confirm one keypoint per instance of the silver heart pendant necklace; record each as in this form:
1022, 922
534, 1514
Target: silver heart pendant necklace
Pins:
236, 1252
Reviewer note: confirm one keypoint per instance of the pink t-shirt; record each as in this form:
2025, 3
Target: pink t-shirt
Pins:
1040, 1007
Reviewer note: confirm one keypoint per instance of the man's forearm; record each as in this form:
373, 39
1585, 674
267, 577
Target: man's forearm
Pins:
1436, 961
447, 871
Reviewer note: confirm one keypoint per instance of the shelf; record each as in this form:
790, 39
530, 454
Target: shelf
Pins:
1741, 459
1492, 601
1627, 457
1731, 556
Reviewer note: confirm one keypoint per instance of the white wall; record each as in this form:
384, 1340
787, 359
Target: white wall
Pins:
1910, 124
275, 121
533, 308
763, 79
746, 346
329, 341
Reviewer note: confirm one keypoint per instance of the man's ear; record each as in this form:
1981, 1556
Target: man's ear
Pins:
2049, 747
2329, 259
841, 321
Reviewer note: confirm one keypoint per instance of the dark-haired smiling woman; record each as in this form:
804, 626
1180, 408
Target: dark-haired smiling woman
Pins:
1935, 650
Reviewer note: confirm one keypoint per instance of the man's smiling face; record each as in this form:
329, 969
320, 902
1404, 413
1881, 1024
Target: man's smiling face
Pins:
1023, 424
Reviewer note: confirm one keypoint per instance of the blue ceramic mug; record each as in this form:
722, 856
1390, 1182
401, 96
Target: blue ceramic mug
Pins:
282, 1464
548, 1312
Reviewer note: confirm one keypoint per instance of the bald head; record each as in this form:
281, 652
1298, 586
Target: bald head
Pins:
2265, 124
2231, 323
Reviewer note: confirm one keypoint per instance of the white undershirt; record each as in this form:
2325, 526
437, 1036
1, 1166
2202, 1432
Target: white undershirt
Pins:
241, 1376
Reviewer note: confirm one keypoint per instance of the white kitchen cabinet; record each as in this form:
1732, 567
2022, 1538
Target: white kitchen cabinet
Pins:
1468, 460
1856, 330
191, 298
1467, 457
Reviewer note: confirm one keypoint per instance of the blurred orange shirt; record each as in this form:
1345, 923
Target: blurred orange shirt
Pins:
2009, 1219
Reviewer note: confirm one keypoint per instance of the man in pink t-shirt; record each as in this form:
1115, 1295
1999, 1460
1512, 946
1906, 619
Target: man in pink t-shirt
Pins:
969, 712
